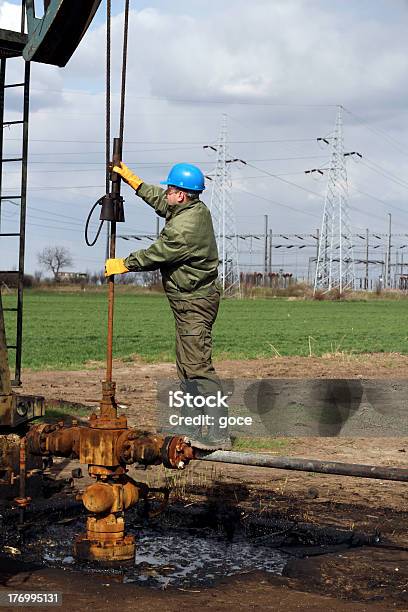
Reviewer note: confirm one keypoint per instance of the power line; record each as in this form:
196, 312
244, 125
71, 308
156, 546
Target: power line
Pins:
182, 142
226, 102
385, 173
370, 213
371, 196
297, 210
378, 132
150, 163
319, 195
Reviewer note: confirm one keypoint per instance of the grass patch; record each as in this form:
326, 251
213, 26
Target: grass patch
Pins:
260, 444
68, 330
64, 412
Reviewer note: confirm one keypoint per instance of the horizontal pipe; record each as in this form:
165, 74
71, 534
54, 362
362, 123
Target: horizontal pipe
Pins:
307, 465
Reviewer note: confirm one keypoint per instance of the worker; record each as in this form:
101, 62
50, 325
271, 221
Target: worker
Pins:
186, 254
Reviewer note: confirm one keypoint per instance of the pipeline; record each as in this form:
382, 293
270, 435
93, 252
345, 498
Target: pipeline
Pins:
307, 465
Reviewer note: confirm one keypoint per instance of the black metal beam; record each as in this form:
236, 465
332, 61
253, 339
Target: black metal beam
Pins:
2, 84
54, 38
12, 43
24, 166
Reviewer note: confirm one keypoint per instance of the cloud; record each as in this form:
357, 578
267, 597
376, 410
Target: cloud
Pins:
277, 69
285, 51
10, 16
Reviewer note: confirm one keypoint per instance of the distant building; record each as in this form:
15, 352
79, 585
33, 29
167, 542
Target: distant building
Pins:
72, 277
403, 282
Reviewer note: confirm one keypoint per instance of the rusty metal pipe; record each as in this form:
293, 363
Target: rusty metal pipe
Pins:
104, 444
117, 154
22, 481
22, 501
111, 301
64, 442
147, 448
307, 465
138, 446
54, 440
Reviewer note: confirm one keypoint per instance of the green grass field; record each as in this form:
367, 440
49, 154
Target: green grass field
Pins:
66, 330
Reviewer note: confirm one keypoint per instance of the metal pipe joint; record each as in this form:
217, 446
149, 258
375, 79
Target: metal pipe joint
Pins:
113, 447
103, 497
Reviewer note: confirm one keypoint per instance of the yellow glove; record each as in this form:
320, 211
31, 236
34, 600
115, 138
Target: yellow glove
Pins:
115, 266
128, 176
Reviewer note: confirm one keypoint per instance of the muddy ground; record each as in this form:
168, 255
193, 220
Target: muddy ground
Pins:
365, 569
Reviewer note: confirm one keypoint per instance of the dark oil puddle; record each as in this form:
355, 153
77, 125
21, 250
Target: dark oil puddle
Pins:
166, 555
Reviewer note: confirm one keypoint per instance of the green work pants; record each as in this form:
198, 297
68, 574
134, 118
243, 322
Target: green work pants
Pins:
194, 320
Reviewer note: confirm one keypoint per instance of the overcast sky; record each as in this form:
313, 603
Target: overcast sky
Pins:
276, 68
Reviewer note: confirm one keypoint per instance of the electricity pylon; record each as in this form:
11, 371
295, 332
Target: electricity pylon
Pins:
335, 261
223, 215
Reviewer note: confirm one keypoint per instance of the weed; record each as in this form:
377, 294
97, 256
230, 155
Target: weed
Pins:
275, 350
281, 488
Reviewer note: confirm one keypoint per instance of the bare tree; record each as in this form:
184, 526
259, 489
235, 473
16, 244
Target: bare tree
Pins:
151, 279
54, 259
125, 279
38, 276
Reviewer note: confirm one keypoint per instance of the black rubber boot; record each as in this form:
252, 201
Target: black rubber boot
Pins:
192, 432
217, 437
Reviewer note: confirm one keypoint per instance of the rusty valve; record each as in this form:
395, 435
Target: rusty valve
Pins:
108, 447
102, 497
105, 538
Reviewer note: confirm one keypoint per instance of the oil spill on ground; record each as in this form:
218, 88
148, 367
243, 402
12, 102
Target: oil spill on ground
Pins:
166, 556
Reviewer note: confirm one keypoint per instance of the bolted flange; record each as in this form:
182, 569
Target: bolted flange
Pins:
105, 541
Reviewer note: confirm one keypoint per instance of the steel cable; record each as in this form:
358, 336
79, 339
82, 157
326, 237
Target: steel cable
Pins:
107, 110
108, 92
89, 242
110, 238
124, 67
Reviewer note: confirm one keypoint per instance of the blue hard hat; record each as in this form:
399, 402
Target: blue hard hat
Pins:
185, 176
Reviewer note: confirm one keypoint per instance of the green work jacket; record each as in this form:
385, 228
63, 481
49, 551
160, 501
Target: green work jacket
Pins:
186, 250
